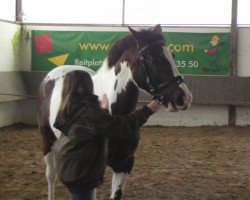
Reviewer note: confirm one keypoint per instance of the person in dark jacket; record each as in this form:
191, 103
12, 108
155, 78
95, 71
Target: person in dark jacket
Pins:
82, 149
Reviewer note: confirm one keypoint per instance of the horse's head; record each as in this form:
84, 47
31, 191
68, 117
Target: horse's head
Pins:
156, 71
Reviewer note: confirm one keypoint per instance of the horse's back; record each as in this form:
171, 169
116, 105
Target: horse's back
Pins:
59, 72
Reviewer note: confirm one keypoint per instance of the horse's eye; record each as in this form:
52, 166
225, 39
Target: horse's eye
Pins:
173, 55
150, 61
159, 60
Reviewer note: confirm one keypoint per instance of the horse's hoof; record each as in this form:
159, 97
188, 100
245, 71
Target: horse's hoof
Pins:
118, 194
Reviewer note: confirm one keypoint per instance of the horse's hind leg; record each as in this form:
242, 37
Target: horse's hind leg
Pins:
120, 177
51, 174
49, 158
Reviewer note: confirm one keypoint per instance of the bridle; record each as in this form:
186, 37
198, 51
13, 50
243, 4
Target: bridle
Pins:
155, 90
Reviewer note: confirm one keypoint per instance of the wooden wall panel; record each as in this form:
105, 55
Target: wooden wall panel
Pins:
218, 90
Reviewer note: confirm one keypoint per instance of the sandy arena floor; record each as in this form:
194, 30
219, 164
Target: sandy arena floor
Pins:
171, 163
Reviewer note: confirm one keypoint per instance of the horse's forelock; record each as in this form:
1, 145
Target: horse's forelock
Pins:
149, 37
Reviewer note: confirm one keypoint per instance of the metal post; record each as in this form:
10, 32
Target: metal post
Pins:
123, 12
19, 12
233, 64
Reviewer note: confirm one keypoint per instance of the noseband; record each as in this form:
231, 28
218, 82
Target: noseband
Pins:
155, 90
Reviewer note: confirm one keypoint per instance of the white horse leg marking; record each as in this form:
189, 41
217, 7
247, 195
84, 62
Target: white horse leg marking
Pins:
118, 182
51, 173
94, 195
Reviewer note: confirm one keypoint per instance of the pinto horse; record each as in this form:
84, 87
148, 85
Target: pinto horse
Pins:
140, 60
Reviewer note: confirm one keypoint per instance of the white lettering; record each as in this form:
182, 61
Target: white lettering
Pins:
88, 63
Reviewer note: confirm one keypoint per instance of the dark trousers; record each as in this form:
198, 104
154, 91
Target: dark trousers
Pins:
86, 195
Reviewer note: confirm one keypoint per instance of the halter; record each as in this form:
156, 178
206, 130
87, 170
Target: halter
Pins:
155, 90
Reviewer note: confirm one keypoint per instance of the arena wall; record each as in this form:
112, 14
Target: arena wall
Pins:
23, 108
14, 105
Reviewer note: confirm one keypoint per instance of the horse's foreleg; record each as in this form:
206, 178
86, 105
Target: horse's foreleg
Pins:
120, 177
94, 195
51, 174
118, 183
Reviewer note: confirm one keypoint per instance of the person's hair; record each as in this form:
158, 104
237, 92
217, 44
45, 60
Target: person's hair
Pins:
76, 85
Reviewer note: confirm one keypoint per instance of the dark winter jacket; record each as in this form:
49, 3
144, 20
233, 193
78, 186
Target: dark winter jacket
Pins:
81, 151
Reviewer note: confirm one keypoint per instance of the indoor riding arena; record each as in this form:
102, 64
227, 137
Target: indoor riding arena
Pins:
184, 152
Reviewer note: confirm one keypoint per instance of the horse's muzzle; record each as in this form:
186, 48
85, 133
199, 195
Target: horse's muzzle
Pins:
180, 100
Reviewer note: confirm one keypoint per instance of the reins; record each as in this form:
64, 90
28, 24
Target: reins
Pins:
155, 90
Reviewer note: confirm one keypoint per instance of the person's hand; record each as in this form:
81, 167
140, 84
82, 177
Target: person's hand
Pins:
154, 105
104, 102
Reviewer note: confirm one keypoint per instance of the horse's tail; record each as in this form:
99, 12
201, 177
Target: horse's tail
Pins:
44, 97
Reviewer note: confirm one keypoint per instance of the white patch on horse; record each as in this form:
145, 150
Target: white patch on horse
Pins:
187, 98
124, 76
169, 56
55, 102
105, 79
118, 182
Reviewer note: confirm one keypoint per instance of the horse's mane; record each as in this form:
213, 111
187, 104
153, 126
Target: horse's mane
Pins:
118, 48
146, 37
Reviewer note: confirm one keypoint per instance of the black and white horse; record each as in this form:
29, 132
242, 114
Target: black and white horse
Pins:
140, 60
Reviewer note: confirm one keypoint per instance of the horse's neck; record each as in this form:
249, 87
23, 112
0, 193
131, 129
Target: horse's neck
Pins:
114, 83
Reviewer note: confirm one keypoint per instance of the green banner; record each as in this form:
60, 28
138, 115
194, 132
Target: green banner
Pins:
195, 53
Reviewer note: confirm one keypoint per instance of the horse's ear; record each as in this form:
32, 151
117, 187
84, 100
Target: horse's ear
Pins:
157, 28
134, 33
